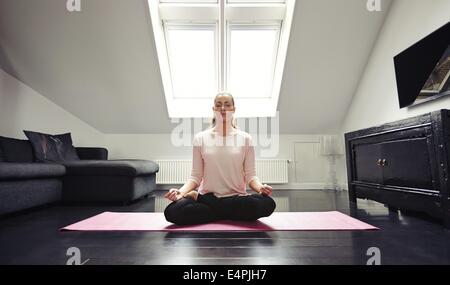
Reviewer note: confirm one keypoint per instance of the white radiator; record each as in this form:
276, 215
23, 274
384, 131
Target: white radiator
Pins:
178, 171
173, 171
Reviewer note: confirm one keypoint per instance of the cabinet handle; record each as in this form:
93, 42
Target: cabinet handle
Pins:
379, 162
383, 162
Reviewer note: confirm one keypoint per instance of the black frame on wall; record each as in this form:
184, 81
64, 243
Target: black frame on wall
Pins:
414, 65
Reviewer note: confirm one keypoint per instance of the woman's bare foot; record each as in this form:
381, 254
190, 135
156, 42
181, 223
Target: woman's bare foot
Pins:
192, 195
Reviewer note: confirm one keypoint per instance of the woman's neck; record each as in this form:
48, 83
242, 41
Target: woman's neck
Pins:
223, 128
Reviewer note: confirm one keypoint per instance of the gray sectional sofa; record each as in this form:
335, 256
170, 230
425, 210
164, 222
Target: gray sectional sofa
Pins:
25, 183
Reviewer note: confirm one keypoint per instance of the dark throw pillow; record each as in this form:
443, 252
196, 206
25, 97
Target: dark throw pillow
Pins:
15, 150
52, 148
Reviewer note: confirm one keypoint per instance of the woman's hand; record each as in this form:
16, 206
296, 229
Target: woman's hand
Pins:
265, 190
173, 195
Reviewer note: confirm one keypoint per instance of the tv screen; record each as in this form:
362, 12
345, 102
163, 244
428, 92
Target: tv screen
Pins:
423, 70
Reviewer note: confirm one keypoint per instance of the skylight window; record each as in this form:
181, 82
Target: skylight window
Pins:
189, 1
208, 46
252, 58
192, 60
256, 1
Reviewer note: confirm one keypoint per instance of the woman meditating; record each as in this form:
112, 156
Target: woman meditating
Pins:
223, 164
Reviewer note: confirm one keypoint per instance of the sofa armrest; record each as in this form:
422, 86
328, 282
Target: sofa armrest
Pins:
92, 153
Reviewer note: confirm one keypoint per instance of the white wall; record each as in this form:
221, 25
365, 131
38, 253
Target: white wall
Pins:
375, 101
22, 108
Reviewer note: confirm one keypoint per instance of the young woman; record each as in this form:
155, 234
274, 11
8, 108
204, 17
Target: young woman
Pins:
223, 164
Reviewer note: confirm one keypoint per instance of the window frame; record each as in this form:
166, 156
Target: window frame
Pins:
178, 10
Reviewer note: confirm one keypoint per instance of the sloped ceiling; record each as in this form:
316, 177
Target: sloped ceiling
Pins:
100, 64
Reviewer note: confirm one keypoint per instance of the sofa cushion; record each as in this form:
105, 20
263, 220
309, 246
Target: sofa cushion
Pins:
92, 153
111, 167
52, 148
15, 150
19, 171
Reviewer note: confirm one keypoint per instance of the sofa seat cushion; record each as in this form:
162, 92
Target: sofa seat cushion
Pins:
20, 171
127, 167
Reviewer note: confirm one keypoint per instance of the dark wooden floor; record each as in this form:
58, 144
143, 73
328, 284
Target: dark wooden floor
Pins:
33, 237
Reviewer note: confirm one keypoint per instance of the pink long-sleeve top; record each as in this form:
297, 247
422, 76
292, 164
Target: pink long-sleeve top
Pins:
223, 165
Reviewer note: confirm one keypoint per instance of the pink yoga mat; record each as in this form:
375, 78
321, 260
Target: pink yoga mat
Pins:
278, 221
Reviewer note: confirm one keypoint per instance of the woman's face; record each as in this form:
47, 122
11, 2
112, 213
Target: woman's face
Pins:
223, 106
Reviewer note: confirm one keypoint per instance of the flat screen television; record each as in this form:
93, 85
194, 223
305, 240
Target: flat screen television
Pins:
423, 70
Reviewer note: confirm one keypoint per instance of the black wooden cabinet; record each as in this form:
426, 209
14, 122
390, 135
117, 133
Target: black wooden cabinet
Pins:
403, 164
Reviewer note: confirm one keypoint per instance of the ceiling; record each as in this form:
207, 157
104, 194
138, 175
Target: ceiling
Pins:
101, 65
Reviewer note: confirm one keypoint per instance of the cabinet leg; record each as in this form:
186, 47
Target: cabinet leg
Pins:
352, 202
393, 213
353, 209
392, 209
351, 195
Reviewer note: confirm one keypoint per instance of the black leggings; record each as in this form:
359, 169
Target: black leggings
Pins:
209, 208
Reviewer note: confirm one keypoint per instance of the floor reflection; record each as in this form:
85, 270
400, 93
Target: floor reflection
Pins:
161, 203
216, 247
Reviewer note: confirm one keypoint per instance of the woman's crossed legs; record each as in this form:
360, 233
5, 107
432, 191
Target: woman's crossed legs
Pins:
209, 208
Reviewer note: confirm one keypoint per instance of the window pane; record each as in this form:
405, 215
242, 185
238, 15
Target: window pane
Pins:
192, 60
189, 1
256, 1
252, 58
